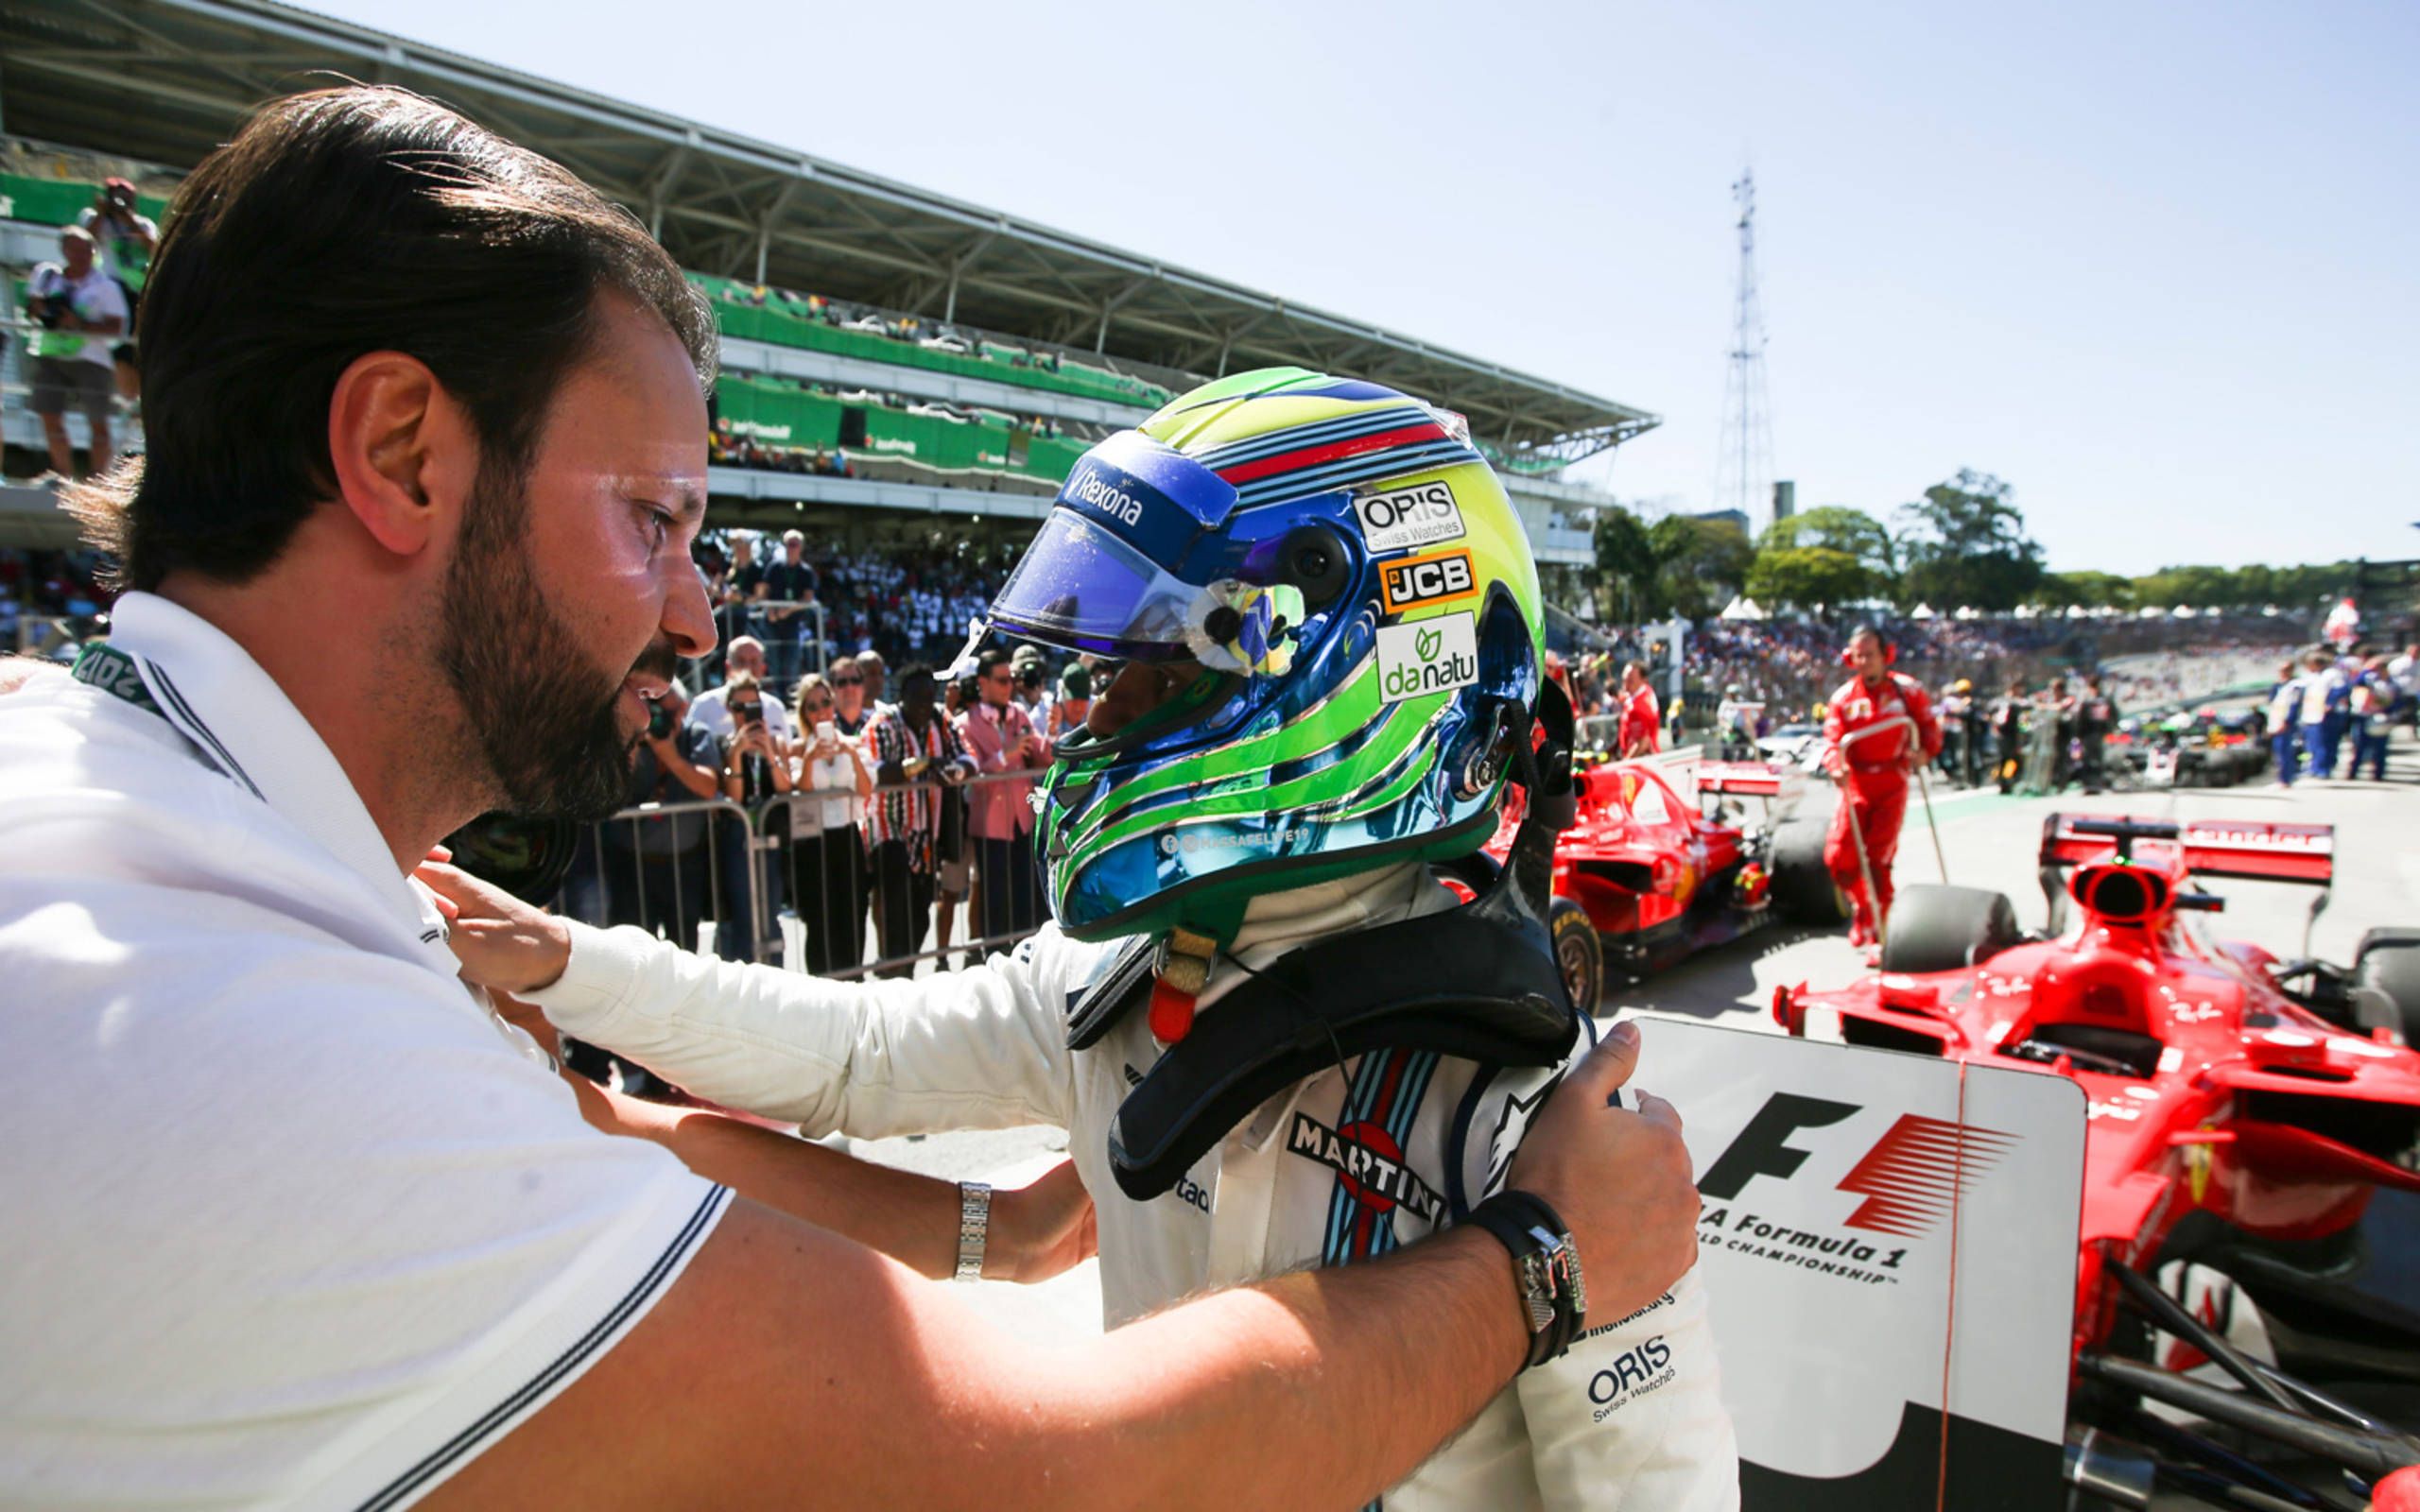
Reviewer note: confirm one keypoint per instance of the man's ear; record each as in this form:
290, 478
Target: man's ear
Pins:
405, 453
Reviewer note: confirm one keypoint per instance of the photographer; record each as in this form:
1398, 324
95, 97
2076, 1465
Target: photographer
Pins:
656, 874
755, 766
125, 239
78, 307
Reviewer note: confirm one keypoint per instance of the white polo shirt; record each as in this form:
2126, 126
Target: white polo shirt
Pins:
287, 1217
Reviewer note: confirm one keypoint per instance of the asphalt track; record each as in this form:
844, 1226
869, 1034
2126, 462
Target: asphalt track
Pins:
1989, 841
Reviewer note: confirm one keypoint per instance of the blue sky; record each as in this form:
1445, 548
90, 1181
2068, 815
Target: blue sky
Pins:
2152, 263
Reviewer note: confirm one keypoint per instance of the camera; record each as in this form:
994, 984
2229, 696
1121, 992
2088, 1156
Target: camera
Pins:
659, 721
751, 713
47, 309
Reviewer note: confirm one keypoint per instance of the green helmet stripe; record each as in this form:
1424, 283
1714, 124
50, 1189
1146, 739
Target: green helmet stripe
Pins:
1332, 719
1404, 727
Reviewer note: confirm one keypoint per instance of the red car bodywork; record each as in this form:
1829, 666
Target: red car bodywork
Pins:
1656, 875
2209, 1086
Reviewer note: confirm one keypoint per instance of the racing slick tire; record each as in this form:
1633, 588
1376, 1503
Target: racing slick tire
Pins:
1934, 927
1579, 955
1803, 886
2388, 961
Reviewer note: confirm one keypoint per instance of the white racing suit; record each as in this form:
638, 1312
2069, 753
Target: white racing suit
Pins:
1351, 1163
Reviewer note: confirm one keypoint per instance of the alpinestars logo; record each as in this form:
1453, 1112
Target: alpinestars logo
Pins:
1088, 486
1371, 1164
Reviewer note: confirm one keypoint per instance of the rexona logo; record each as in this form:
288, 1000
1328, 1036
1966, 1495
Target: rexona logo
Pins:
1089, 488
1422, 515
1414, 582
1915, 1174
1434, 656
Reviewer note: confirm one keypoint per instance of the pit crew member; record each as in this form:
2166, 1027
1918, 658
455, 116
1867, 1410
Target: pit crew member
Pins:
1872, 772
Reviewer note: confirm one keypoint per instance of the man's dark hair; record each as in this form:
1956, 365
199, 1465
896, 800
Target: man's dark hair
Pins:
335, 224
913, 672
989, 661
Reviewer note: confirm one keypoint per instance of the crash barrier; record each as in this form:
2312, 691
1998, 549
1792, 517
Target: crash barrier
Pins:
750, 870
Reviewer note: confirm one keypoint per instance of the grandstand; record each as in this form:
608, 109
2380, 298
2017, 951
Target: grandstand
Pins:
892, 358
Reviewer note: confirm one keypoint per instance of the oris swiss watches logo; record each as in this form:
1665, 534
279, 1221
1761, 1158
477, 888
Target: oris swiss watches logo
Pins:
1418, 516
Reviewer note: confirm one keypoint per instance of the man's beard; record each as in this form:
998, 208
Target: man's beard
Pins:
546, 721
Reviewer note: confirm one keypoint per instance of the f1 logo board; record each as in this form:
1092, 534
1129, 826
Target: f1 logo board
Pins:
1841, 1189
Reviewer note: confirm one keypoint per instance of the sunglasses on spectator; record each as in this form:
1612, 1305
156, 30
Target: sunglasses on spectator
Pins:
848, 683
817, 707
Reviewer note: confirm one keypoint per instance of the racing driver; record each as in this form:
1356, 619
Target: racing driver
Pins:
1873, 770
1269, 1028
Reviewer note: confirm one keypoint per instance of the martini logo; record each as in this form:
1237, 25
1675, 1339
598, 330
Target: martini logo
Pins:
1911, 1178
1419, 516
1370, 1162
1434, 656
1415, 582
1090, 488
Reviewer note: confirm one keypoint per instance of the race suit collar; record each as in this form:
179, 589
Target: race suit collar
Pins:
1278, 922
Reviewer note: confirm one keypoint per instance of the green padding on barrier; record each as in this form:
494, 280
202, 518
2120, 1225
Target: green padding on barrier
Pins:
59, 201
779, 327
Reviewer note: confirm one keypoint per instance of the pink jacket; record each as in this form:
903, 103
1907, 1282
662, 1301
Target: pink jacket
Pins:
996, 810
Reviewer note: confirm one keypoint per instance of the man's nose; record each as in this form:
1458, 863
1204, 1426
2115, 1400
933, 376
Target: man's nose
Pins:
688, 618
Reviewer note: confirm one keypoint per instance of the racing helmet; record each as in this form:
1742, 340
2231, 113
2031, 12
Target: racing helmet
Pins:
1350, 612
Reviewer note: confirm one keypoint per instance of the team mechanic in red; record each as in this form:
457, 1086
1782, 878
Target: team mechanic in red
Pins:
1872, 772
1642, 727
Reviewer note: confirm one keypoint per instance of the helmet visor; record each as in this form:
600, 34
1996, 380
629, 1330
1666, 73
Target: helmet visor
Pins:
1083, 588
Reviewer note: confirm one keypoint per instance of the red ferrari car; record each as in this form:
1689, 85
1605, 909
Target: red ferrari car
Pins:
1663, 860
2246, 1113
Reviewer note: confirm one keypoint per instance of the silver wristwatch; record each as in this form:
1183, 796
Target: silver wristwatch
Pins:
974, 1228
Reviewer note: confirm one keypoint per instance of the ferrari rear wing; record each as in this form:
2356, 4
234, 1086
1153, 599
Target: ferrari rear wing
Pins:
2248, 850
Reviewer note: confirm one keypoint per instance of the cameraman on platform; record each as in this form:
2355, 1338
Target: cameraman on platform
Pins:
80, 313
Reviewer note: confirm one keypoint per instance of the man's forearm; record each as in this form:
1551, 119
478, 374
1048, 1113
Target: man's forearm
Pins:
911, 1218
1318, 1389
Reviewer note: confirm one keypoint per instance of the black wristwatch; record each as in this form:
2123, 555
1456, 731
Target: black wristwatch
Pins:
1546, 1269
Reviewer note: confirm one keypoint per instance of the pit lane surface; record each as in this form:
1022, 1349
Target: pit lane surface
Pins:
1990, 841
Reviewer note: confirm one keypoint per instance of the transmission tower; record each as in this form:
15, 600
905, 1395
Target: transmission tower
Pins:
1743, 463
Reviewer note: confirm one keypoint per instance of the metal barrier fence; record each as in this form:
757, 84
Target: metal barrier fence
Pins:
781, 885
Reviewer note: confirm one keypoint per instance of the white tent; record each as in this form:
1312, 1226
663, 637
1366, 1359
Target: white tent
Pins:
2026, 611
1967, 611
2185, 612
1922, 612
2149, 612
2076, 611
1741, 608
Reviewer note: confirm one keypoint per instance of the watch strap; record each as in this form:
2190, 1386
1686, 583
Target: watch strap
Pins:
974, 1228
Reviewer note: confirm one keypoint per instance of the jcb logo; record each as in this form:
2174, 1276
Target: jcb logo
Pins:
1417, 581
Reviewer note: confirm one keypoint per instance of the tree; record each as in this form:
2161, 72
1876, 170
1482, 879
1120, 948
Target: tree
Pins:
2089, 589
1808, 576
1965, 544
1702, 562
1837, 528
1625, 567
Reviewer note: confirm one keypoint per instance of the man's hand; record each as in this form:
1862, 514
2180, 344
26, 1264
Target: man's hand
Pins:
1620, 1180
503, 943
1041, 1231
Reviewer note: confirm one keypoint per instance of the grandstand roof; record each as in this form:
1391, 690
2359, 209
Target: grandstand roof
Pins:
166, 80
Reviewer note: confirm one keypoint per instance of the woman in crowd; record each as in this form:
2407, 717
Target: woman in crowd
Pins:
754, 770
827, 857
